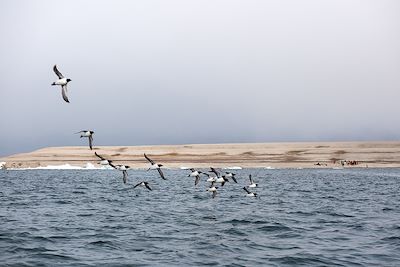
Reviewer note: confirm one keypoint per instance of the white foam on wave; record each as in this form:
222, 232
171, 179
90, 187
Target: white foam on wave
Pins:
233, 168
269, 168
184, 168
88, 166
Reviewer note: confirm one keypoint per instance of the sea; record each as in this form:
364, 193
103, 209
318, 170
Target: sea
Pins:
301, 217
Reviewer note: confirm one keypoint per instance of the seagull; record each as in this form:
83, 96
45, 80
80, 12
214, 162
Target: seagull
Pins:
195, 174
219, 179
250, 194
252, 183
155, 166
210, 178
122, 168
231, 175
213, 189
145, 184
103, 161
63, 82
89, 134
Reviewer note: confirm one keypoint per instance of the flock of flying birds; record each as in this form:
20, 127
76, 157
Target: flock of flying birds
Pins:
214, 178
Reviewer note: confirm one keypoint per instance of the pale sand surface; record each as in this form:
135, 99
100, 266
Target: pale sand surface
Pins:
276, 155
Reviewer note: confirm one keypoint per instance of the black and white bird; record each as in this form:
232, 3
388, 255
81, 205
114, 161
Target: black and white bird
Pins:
196, 174
155, 166
124, 169
213, 189
219, 179
89, 135
252, 183
210, 178
249, 194
145, 184
231, 175
103, 160
62, 81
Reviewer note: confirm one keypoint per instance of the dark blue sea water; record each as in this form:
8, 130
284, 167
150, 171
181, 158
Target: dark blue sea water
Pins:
303, 217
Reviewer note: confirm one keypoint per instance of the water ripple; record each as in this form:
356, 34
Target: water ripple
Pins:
303, 218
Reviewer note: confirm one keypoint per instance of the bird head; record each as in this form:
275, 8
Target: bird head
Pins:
68, 80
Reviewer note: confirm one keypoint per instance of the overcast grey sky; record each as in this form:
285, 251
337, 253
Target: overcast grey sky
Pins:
175, 72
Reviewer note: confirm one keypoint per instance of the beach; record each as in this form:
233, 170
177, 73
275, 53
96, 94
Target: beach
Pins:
378, 154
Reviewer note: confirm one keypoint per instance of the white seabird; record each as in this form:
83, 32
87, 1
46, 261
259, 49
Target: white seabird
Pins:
155, 166
88, 134
231, 175
145, 184
249, 194
252, 183
63, 82
219, 179
213, 189
195, 174
103, 160
122, 168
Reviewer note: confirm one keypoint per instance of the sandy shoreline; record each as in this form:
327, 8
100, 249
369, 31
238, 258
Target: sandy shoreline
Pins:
245, 155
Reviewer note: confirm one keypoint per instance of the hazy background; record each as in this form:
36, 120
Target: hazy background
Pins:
174, 72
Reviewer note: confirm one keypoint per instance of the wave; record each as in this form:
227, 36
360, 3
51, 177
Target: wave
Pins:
88, 166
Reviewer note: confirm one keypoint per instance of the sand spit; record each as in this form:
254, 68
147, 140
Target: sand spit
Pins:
245, 155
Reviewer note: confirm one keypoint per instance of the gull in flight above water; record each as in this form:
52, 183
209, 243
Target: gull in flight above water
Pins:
89, 135
155, 166
62, 81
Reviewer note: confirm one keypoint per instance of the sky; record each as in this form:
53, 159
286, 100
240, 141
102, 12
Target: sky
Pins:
208, 71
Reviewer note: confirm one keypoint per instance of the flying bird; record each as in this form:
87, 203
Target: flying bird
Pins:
213, 189
155, 166
124, 169
249, 194
231, 175
63, 82
103, 160
219, 179
210, 177
252, 183
88, 134
195, 174
145, 184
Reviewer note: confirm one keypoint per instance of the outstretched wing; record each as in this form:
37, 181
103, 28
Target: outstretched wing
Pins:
58, 73
214, 194
147, 186
99, 156
64, 93
206, 174
112, 165
150, 160
214, 171
137, 185
161, 173
197, 180
125, 176
251, 180
234, 179
247, 190
90, 142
